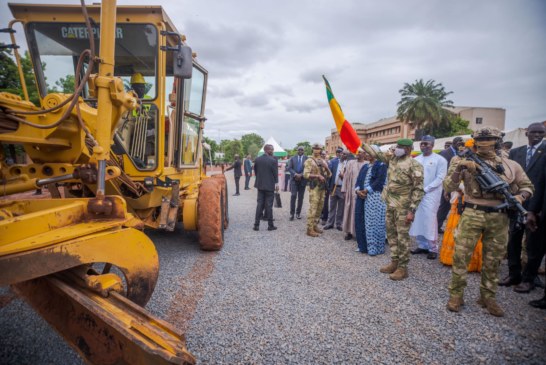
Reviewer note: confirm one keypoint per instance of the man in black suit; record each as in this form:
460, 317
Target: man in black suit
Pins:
536, 222
325, 209
248, 171
532, 158
297, 182
266, 170
237, 173
445, 206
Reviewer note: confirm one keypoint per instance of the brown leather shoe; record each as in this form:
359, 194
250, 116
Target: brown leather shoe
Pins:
492, 306
524, 287
390, 268
312, 233
509, 281
455, 303
400, 274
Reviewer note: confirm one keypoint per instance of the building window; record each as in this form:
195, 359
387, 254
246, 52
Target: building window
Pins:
479, 120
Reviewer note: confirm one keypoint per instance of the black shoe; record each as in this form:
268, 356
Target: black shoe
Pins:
348, 236
339, 228
418, 251
432, 255
271, 228
327, 227
538, 283
236, 194
256, 227
298, 216
247, 188
291, 217
539, 303
509, 281
524, 287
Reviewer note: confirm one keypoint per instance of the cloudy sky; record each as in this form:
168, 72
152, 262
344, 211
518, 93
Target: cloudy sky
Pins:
265, 59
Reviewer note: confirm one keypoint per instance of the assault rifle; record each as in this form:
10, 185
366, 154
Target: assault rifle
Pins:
490, 182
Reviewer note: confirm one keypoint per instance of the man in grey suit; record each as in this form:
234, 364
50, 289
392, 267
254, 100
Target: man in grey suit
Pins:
266, 170
532, 158
297, 182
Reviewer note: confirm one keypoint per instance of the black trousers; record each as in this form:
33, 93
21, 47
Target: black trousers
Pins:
297, 189
443, 211
514, 250
265, 201
237, 179
247, 181
536, 248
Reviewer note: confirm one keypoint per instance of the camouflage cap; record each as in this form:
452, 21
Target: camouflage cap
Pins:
406, 142
316, 146
487, 132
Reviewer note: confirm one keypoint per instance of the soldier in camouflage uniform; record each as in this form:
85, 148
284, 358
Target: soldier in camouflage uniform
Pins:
482, 217
315, 171
402, 193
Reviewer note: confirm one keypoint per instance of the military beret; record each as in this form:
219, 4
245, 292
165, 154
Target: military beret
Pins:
428, 138
405, 142
316, 146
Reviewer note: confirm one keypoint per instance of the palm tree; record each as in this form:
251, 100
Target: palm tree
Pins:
425, 105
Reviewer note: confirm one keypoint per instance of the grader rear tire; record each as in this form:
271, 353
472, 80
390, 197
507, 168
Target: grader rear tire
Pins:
210, 210
222, 177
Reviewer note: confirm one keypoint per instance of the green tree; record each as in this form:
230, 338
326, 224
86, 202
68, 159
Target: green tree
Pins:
453, 127
9, 77
234, 147
253, 150
424, 104
30, 80
249, 139
307, 150
65, 84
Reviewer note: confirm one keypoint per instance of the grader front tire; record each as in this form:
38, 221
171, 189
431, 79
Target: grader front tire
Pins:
211, 215
222, 178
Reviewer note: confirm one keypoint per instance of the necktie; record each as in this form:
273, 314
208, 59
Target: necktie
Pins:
299, 164
529, 155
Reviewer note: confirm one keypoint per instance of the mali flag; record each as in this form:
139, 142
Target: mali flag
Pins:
345, 129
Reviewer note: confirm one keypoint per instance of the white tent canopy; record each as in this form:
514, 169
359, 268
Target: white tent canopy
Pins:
278, 151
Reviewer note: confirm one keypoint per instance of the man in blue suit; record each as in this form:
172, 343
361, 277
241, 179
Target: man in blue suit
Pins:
248, 171
297, 182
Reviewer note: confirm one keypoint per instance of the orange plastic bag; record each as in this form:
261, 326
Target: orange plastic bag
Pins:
448, 243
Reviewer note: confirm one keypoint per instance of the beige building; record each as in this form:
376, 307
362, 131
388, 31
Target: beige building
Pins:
389, 130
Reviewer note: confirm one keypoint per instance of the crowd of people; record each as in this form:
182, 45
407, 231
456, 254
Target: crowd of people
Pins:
379, 198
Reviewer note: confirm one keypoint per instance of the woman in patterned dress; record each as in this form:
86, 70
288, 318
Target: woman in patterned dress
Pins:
370, 209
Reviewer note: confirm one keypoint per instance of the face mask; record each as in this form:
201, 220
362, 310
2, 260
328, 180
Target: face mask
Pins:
399, 152
486, 148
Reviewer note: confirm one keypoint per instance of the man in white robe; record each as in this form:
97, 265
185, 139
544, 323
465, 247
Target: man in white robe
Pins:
352, 168
425, 225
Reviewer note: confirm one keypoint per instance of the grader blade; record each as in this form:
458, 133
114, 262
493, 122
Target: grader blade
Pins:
110, 330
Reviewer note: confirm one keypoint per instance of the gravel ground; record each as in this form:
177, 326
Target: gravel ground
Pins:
283, 297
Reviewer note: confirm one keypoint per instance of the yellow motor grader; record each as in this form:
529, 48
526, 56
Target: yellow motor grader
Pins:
120, 152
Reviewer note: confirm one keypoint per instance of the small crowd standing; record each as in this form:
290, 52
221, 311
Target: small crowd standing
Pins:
378, 198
